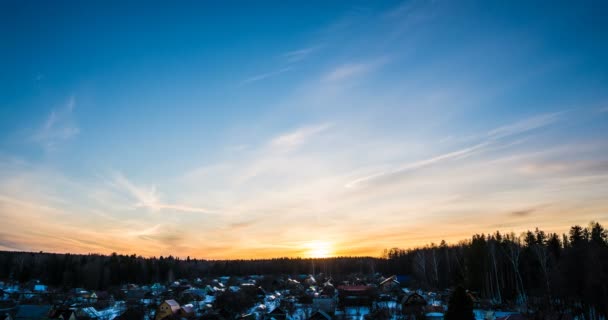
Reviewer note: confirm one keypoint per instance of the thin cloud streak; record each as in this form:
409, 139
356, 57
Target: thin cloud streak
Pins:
59, 126
266, 75
353, 70
516, 128
459, 154
149, 198
299, 136
300, 54
525, 125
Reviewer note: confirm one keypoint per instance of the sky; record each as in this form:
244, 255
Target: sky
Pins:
255, 129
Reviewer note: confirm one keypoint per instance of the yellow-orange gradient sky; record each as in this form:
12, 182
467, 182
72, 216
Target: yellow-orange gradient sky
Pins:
301, 129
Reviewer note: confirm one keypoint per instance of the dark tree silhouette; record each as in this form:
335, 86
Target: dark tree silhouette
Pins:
460, 306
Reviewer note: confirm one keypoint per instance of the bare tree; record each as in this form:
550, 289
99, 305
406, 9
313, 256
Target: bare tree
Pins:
512, 250
420, 264
492, 245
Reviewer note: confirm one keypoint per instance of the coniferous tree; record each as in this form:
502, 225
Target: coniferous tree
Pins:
460, 306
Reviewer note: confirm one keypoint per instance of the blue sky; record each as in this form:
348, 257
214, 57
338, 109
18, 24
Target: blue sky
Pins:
250, 129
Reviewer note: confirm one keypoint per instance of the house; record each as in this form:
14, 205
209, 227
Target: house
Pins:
100, 296
389, 284
355, 295
414, 304
310, 280
187, 311
166, 309
328, 289
320, 315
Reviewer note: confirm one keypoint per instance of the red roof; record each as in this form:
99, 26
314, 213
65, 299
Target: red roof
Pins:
355, 288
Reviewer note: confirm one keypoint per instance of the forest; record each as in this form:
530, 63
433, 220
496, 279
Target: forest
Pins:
544, 270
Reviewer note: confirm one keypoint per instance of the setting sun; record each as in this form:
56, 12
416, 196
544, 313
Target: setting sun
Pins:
319, 249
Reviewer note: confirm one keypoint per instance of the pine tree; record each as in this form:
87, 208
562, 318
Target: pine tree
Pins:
460, 306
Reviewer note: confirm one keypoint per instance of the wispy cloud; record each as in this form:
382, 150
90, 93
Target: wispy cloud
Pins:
148, 197
299, 136
300, 54
459, 154
59, 126
291, 57
523, 213
493, 136
352, 70
8, 243
525, 125
266, 75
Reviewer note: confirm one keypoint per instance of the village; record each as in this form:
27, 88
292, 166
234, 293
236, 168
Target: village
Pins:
297, 297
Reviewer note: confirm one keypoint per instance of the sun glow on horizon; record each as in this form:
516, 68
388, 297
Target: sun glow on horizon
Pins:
319, 249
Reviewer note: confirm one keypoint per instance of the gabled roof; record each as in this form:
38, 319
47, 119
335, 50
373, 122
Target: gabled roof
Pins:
187, 309
354, 288
414, 299
392, 279
173, 305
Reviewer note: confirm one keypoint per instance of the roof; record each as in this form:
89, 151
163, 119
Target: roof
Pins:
172, 304
392, 279
354, 288
414, 299
188, 308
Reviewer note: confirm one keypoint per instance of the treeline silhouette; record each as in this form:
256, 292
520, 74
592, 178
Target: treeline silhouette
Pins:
534, 268
546, 271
